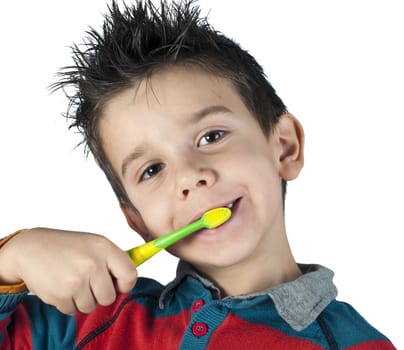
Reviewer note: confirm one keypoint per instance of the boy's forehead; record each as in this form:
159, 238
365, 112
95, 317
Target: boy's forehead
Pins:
174, 92
184, 87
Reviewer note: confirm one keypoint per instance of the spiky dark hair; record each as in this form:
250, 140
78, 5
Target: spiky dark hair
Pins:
140, 39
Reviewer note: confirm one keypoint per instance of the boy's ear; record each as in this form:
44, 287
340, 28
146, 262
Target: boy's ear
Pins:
135, 220
290, 137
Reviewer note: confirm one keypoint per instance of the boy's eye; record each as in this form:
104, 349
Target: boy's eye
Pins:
210, 137
151, 171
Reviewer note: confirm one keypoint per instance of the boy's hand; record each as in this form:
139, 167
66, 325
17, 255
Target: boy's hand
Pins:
73, 271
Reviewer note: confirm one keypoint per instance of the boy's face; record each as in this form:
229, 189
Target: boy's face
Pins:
183, 143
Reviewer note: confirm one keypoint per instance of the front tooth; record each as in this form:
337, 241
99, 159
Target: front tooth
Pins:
229, 205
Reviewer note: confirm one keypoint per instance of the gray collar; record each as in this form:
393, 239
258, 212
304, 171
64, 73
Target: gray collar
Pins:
298, 302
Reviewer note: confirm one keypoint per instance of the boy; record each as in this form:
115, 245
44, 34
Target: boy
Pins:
181, 120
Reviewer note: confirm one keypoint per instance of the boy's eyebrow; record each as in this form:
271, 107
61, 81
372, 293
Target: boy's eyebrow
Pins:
216, 109
136, 153
139, 151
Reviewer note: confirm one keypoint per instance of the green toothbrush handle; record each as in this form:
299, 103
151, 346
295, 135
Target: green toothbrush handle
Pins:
145, 251
172, 237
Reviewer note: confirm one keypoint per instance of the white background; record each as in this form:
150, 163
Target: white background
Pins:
337, 65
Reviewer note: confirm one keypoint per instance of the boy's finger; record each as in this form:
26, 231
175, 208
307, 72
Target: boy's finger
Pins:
85, 301
124, 272
68, 308
103, 288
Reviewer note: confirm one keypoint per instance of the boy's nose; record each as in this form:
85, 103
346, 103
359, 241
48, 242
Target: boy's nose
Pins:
192, 178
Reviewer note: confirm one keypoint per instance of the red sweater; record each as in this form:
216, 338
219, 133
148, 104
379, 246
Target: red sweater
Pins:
189, 314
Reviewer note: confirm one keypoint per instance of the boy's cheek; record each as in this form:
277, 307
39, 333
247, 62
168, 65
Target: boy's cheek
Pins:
157, 219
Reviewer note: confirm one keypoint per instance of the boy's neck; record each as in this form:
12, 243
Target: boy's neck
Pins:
255, 275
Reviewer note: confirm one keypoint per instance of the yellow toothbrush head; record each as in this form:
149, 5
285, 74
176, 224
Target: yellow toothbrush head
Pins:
215, 217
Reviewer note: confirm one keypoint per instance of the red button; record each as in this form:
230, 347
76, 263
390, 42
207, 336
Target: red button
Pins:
199, 329
196, 306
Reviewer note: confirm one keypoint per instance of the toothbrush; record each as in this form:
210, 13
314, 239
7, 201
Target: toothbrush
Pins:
210, 219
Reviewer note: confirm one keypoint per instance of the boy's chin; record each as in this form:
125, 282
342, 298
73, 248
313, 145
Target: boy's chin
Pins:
217, 262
